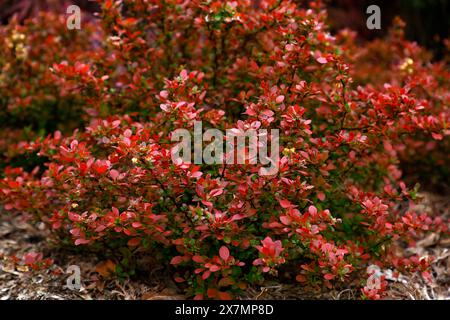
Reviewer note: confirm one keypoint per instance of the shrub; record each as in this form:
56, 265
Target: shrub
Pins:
396, 61
32, 102
331, 210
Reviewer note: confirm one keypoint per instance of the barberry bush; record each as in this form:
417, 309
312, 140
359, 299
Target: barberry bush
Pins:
348, 117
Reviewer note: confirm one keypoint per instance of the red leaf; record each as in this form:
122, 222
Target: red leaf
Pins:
197, 258
285, 204
211, 293
224, 296
32, 257
179, 279
300, 278
134, 242
328, 276
176, 260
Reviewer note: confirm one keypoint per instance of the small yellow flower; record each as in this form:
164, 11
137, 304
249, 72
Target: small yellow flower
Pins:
134, 160
407, 65
288, 151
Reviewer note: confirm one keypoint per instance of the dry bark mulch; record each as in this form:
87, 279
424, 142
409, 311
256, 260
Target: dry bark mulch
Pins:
18, 237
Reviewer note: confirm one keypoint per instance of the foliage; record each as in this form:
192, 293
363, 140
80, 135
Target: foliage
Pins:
337, 204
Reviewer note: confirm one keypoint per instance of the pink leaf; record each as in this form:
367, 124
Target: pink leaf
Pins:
437, 136
289, 47
312, 210
114, 174
322, 60
136, 224
164, 94
279, 99
214, 268
81, 241
183, 74
127, 133
216, 192
224, 253
321, 196
165, 107
285, 220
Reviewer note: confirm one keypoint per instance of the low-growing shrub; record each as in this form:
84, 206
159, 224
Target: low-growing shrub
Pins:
337, 203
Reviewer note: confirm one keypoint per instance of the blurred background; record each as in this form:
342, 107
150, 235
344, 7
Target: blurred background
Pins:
428, 21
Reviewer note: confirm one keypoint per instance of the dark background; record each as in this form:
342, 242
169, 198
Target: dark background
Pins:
427, 21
